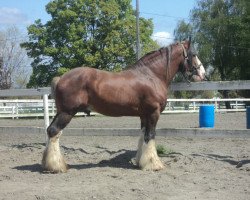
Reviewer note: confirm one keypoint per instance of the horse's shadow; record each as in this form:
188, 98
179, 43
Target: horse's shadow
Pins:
227, 159
32, 168
123, 160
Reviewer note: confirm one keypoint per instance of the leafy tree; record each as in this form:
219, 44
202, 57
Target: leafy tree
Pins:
217, 27
221, 29
99, 34
183, 30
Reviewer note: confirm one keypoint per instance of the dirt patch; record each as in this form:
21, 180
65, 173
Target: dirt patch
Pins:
101, 168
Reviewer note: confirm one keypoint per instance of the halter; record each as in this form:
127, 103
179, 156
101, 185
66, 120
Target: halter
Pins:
191, 70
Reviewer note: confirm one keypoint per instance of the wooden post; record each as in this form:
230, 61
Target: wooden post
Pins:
16, 110
138, 46
13, 112
216, 105
46, 113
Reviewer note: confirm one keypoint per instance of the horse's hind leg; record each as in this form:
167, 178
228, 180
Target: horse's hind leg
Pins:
146, 157
53, 160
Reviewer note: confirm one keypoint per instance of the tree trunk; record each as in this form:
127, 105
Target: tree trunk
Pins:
225, 95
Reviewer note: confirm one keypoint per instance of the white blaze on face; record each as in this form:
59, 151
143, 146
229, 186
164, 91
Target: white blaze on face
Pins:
201, 70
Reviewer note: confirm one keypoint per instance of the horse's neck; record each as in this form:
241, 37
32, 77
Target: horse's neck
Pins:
173, 64
157, 62
164, 63
171, 72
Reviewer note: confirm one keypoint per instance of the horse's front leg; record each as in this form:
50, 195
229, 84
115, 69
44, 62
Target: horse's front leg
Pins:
141, 140
53, 160
146, 157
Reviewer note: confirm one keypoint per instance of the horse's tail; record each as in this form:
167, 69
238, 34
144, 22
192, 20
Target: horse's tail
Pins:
53, 86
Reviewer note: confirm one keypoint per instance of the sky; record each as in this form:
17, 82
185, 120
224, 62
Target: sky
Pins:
165, 14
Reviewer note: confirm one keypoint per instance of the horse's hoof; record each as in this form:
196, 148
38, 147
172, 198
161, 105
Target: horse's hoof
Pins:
53, 164
148, 159
53, 160
55, 170
152, 165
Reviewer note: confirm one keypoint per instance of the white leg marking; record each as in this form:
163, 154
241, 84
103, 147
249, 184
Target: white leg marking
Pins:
53, 160
147, 157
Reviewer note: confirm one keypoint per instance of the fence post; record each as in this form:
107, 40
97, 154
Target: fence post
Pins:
46, 113
16, 109
13, 112
216, 105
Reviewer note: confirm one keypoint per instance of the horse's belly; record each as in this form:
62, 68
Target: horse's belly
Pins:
115, 109
115, 100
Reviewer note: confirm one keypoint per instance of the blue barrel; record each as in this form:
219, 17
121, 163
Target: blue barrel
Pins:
206, 116
248, 117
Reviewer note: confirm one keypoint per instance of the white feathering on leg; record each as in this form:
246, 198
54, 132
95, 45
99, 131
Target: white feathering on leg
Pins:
149, 159
53, 160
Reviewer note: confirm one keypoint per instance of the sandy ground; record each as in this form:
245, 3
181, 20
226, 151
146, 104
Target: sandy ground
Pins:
232, 121
197, 167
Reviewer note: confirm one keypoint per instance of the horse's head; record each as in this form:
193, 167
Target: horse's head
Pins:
191, 68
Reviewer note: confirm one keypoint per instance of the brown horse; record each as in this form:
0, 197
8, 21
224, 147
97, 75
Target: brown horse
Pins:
141, 90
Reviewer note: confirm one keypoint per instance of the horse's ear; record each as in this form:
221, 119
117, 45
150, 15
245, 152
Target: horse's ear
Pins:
187, 43
189, 40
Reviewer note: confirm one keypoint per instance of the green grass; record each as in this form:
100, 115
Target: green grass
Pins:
162, 150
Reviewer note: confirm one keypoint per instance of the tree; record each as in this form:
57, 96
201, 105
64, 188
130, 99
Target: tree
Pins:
183, 30
99, 34
221, 29
243, 50
13, 60
5, 78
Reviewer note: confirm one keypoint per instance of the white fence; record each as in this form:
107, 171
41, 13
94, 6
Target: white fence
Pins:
19, 108
44, 92
192, 105
25, 108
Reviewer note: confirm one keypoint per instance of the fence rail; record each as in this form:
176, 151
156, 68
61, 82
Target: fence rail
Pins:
20, 108
44, 92
211, 85
216, 85
192, 105
24, 108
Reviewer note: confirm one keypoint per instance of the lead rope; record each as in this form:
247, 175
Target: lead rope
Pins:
186, 58
184, 51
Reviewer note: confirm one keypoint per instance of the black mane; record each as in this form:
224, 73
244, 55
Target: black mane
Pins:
150, 57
